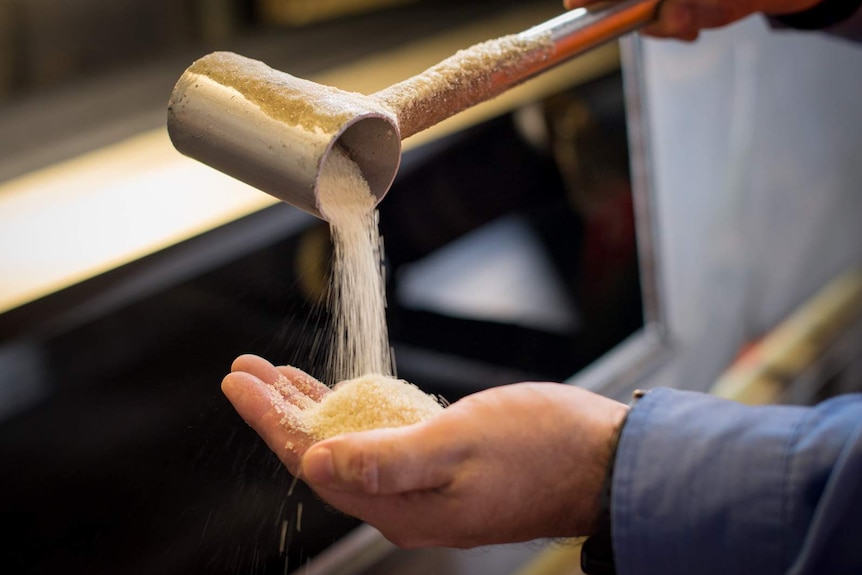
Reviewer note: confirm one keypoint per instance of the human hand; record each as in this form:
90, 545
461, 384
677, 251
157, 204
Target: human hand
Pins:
271, 400
508, 464
684, 19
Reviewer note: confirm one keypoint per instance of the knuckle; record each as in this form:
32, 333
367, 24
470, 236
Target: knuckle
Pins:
362, 468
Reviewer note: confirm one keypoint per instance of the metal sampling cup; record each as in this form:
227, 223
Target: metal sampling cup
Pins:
274, 131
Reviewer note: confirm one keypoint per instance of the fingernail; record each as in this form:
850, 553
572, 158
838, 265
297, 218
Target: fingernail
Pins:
317, 466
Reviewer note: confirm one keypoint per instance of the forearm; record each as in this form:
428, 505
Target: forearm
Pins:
706, 486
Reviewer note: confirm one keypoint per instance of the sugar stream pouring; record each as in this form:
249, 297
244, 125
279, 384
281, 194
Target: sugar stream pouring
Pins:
273, 130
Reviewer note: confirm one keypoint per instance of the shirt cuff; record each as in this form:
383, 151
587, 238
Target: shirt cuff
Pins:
825, 14
695, 486
836, 17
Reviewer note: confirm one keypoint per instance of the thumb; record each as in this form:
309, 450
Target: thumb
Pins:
383, 461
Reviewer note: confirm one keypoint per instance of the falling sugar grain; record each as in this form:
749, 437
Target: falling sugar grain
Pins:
367, 397
357, 299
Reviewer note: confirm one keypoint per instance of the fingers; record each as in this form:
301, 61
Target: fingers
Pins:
380, 462
269, 414
386, 461
684, 19
256, 366
270, 399
304, 382
675, 19
296, 386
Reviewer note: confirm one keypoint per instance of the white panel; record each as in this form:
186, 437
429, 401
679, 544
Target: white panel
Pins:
757, 143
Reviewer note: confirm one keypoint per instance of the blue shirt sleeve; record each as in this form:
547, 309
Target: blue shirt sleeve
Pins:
850, 28
708, 486
818, 18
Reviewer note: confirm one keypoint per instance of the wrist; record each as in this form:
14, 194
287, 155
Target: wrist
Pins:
602, 516
597, 556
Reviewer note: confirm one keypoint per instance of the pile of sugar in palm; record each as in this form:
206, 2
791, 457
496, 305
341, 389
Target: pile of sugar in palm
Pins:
369, 402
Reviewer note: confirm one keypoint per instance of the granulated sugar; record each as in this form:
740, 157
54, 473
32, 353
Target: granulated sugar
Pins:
369, 402
288, 99
471, 76
358, 304
357, 298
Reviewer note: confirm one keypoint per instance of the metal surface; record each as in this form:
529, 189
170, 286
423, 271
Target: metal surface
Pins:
273, 131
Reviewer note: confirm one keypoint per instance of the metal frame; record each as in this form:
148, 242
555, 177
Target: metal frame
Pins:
618, 372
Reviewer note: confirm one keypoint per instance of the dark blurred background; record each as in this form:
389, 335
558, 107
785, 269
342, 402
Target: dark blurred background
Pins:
511, 255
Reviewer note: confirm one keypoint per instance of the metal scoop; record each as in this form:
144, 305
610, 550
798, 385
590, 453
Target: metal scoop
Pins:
274, 131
